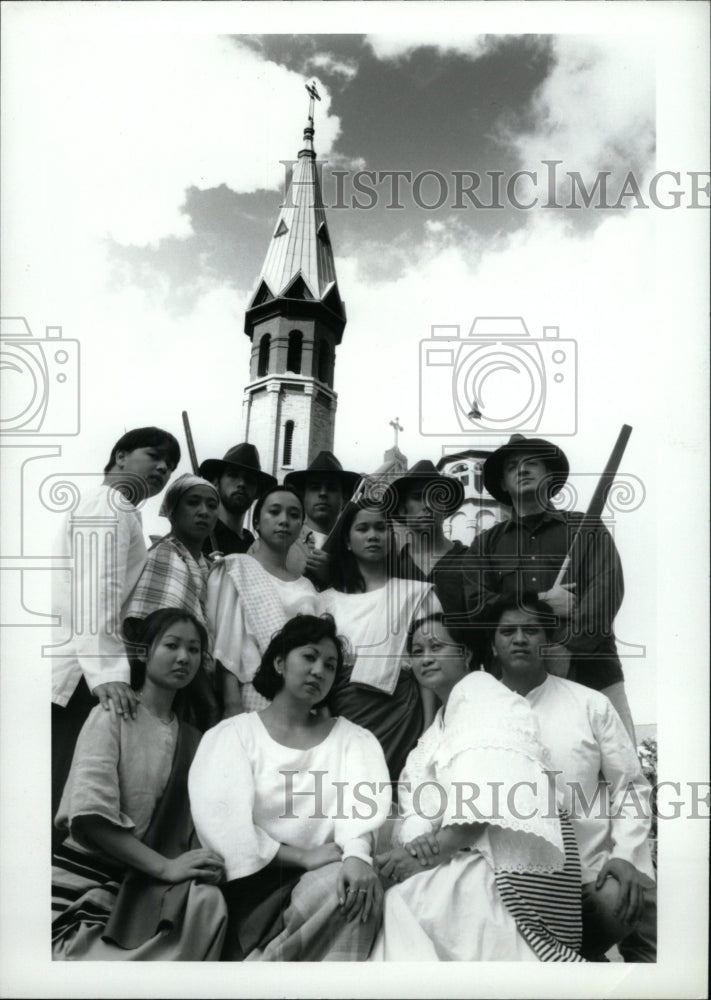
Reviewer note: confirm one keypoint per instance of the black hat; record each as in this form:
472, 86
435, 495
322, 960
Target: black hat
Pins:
444, 494
241, 456
551, 454
328, 465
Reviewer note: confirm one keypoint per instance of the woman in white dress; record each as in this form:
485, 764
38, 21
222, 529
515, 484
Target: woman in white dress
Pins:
485, 866
250, 597
293, 798
373, 609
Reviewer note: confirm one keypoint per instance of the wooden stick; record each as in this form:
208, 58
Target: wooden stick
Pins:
599, 497
330, 540
195, 464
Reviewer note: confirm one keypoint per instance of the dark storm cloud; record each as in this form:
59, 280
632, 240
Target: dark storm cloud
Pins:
230, 233
426, 110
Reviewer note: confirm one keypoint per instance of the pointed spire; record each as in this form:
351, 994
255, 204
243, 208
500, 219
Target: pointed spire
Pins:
300, 246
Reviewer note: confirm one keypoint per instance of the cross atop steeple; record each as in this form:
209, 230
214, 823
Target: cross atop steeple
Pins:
396, 426
299, 262
295, 320
313, 93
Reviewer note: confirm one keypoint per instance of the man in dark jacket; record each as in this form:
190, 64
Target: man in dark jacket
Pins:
526, 553
422, 499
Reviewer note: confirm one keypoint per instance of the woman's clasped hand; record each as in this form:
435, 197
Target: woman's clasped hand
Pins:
360, 894
200, 864
409, 859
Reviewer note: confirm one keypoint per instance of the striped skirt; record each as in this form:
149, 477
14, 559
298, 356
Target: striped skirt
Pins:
548, 908
84, 891
463, 911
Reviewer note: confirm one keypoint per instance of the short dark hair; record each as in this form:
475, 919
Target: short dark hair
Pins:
458, 636
528, 601
298, 631
143, 634
147, 437
267, 493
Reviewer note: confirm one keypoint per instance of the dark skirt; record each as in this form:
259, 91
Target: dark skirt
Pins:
396, 719
255, 907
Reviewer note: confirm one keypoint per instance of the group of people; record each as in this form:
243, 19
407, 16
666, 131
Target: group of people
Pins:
340, 735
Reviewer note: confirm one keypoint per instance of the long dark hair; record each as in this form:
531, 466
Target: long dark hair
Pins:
345, 574
145, 633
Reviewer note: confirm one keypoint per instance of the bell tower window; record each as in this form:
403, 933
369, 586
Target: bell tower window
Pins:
288, 441
263, 362
324, 359
293, 357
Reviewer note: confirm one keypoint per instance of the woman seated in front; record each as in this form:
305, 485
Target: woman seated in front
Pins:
131, 882
290, 798
485, 868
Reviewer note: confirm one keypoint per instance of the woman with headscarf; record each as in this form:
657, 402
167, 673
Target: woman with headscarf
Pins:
251, 596
175, 576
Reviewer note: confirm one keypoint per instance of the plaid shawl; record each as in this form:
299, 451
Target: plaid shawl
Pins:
171, 578
262, 605
312, 927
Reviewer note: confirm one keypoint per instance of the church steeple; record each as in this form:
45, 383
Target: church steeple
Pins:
299, 261
295, 320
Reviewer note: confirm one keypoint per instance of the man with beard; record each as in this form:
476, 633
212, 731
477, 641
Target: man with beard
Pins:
239, 480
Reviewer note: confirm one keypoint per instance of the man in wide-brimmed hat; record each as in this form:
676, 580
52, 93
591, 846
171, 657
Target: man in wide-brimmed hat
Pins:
526, 554
421, 500
325, 487
239, 479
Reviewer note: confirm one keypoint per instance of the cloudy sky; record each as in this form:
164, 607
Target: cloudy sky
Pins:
142, 165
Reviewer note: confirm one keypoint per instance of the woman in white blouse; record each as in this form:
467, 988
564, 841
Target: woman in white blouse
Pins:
293, 797
485, 866
250, 597
373, 609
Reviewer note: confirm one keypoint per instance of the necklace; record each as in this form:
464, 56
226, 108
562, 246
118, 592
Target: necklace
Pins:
164, 722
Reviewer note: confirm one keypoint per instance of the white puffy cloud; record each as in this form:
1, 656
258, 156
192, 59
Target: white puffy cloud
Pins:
596, 108
326, 61
402, 46
113, 130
